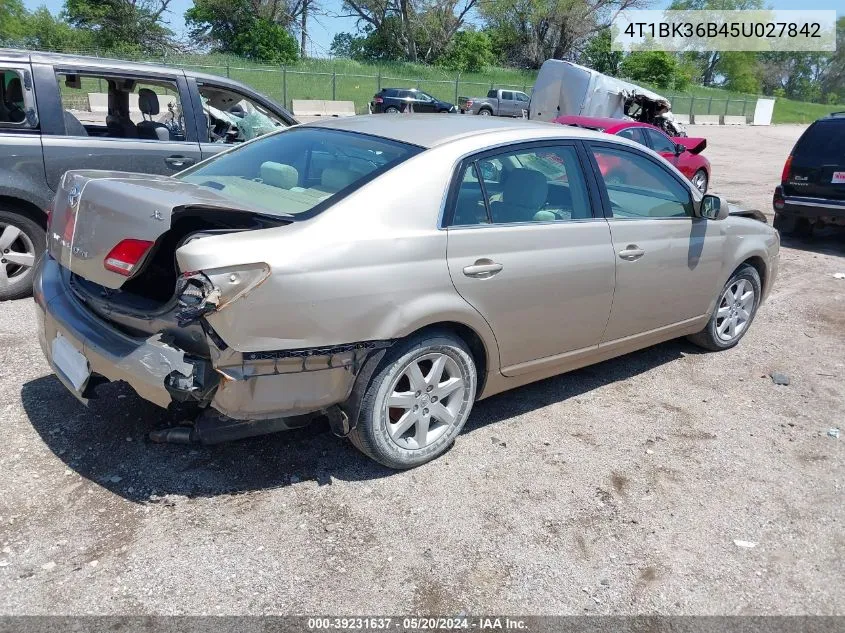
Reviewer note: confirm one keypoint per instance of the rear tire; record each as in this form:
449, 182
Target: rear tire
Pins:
734, 311
417, 401
22, 241
391, 110
792, 225
485, 112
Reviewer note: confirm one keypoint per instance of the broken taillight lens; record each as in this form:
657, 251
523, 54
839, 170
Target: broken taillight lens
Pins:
124, 257
786, 168
469, 103
378, 100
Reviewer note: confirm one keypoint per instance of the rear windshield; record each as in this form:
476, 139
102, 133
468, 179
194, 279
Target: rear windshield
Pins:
301, 171
822, 144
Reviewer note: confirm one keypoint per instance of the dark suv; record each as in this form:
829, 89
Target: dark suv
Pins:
395, 100
812, 189
61, 112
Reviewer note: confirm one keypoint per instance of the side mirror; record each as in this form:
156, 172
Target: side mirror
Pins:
713, 207
679, 149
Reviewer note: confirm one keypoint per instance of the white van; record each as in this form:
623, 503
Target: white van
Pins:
564, 88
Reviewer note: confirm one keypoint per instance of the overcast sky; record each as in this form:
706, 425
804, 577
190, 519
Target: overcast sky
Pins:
323, 28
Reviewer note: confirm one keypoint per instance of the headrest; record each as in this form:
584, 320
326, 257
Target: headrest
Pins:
335, 179
14, 91
148, 101
279, 175
526, 188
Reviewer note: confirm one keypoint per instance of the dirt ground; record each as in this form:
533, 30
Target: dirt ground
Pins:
620, 488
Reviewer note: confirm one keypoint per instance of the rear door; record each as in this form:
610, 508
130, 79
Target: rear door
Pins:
507, 103
526, 250
79, 136
818, 162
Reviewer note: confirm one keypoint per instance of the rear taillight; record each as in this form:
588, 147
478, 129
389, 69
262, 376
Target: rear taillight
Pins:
469, 103
786, 167
124, 257
777, 200
378, 100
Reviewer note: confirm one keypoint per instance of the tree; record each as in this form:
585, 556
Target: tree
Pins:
537, 30
124, 25
469, 51
12, 17
741, 71
418, 30
598, 56
654, 67
259, 29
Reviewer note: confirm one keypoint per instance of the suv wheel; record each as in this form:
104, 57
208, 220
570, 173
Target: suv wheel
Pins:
21, 242
734, 311
417, 402
792, 225
391, 110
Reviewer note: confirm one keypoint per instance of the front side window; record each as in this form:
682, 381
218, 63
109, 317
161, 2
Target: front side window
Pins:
521, 96
640, 188
659, 142
543, 184
121, 107
298, 172
13, 108
233, 118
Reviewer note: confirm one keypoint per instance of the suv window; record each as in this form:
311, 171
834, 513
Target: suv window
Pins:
659, 142
12, 100
822, 143
640, 188
233, 117
543, 184
121, 107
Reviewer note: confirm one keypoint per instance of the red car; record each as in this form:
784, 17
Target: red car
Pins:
682, 151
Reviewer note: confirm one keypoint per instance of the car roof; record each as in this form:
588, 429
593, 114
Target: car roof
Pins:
430, 130
104, 63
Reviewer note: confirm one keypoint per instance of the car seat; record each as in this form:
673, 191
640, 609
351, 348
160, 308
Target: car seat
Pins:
523, 195
14, 101
149, 129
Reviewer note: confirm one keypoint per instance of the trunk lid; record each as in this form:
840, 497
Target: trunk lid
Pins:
94, 211
693, 144
817, 169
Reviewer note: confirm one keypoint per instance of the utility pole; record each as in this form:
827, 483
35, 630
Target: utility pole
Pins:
304, 28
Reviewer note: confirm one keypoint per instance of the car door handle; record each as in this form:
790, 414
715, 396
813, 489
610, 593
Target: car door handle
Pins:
631, 252
482, 269
179, 161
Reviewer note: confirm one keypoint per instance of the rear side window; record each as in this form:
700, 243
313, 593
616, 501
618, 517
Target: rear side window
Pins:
631, 133
492, 94
299, 172
822, 143
507, 96
659, 143
542, 184
13, 108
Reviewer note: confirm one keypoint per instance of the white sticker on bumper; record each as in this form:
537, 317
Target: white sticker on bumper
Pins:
70, 361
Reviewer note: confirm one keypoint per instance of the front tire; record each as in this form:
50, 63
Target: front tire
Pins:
735, 310
700, 180
21, 242
417, 402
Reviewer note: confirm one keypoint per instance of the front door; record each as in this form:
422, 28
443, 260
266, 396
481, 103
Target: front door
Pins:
525, 250
668, 263
105, 124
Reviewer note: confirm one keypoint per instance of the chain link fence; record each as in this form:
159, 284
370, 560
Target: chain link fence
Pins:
286, 83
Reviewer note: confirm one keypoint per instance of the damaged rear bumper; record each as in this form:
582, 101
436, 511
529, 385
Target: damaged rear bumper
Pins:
242, 386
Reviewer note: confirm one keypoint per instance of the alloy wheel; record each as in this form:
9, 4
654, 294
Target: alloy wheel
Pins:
735, 310
425, 401
699, 179
17, 255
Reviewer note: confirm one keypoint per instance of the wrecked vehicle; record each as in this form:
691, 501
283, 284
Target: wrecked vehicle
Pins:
386, 275
563, 88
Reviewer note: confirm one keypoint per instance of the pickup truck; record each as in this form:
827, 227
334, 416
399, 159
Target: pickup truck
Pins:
498, 102
61, 112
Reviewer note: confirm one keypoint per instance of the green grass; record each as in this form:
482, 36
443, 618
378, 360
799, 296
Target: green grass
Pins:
347, 80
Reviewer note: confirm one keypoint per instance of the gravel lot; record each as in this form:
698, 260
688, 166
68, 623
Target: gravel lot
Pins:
620, 488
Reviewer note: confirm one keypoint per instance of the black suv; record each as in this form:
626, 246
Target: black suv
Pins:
812, 189
395, 100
